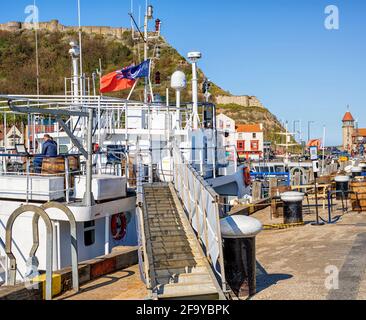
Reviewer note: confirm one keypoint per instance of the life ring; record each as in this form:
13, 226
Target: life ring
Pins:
118, 226
247, 178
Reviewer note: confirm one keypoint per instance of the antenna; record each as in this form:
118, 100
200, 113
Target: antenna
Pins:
37, 54
194, 57
81, 50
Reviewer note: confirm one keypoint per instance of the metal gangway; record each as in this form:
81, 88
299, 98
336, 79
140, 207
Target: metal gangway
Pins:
181, 246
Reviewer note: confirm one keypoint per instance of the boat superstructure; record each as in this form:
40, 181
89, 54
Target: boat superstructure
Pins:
94, 193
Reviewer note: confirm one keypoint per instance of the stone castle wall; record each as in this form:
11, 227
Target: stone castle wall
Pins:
55, 26
245, 101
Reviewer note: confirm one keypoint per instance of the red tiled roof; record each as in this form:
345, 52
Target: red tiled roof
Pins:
348, 117
360, 132
248, 128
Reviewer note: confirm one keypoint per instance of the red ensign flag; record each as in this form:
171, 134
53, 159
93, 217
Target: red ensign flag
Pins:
113, 82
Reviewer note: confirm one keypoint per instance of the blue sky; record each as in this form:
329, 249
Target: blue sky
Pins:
278, 50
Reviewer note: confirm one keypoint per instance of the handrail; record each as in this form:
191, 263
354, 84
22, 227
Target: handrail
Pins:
141, 209
202, 205
4, 266
49, 245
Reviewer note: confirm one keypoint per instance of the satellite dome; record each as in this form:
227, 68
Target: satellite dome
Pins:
178, 80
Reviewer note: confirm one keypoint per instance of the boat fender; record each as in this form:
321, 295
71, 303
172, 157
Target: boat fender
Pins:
118, 226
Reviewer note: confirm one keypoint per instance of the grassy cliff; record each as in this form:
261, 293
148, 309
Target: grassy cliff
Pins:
18, 68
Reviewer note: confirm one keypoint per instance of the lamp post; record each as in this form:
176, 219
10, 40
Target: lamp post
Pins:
323, 160
295, 122
309, 124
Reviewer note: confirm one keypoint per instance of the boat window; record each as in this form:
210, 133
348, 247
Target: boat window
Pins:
89, 233
279, 169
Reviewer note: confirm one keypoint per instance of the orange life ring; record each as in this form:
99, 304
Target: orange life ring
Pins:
118, 226
247, 178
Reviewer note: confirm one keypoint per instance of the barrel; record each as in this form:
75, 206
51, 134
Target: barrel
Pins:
74, 163
292, 207
358, 195
342, 187
53, 165
356, 172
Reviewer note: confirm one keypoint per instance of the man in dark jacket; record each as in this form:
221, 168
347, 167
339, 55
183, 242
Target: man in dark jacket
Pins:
49, 149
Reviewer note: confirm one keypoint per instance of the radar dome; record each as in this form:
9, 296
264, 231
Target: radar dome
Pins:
178, 81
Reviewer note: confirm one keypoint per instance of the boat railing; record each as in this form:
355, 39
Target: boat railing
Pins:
16, 165
4, 260
69, 166
202, 205
3, 264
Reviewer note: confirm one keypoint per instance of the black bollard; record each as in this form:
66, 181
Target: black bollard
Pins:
342, 187
292, 207
239, 234
240, 266
356, 172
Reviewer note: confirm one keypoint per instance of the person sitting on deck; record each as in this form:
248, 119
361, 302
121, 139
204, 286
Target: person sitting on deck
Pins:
49, 149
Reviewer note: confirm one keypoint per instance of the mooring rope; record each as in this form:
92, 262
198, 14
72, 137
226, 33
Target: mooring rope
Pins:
281, 226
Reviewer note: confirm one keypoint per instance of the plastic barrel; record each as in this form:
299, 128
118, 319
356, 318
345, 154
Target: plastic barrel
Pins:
239, 234
292, 207
342, 187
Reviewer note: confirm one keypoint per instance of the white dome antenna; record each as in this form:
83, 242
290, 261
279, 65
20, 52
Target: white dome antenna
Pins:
178, 83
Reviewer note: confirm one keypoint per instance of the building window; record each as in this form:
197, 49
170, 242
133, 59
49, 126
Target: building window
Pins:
254, 136
241, 145
254, 145
89, 233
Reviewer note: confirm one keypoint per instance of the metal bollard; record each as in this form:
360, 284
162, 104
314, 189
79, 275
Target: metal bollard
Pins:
292, 207
239, 234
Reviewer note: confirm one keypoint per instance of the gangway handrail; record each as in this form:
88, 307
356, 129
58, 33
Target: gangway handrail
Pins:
143, 254
197, 199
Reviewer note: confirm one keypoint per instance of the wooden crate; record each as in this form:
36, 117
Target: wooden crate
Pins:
359, 198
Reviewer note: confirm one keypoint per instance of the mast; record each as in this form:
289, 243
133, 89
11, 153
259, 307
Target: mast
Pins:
37, 56
81, 50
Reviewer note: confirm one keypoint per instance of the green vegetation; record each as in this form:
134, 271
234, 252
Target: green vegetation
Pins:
18, 69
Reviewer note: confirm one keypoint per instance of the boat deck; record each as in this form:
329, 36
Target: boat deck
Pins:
292, 263
121, 285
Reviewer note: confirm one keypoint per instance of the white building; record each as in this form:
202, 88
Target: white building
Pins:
247, 139
12, 137
250, 141
226, 126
